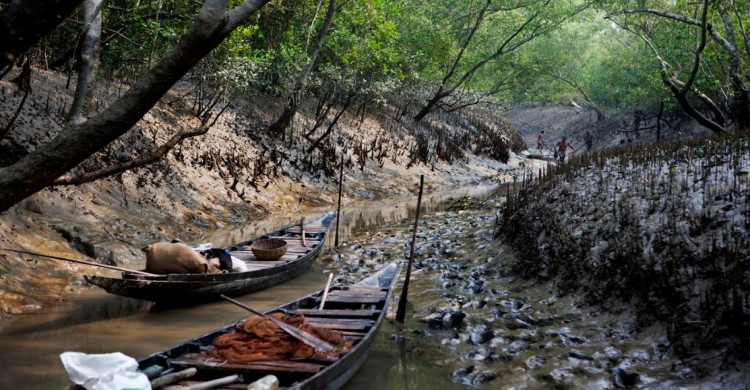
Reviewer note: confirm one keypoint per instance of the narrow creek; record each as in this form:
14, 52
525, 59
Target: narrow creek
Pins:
96, 322
470, 324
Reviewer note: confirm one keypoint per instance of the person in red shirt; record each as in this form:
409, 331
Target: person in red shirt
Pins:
562, 147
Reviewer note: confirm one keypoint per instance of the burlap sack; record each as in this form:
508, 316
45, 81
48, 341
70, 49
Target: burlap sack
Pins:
175, 258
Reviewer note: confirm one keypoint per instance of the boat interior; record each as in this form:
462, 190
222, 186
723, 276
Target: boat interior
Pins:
352, 310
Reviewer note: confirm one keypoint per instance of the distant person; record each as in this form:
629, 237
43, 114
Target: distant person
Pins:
562, 147
588, 139
540, 141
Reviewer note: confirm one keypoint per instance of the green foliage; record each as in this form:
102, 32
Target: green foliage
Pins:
381, 49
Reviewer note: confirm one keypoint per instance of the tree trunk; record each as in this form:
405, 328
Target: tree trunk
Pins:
279, 127
741, 109
658, 121
695, 114
24, 23
333, 123
439, 95
88, 61
741, 103
77, 142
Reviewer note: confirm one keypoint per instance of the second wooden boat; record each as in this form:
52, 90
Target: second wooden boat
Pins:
357, 311
184, 289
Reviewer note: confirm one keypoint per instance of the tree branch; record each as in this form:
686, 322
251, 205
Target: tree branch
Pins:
478, 21
683, 19
698, 50
145, 160
678, 90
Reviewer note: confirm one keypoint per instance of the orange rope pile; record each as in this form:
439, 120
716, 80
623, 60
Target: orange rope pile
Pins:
258, 339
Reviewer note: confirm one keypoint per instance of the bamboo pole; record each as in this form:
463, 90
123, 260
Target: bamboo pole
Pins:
81, 262
325, 292
401, 313
173, 377
302, 227
338, 209
213, 383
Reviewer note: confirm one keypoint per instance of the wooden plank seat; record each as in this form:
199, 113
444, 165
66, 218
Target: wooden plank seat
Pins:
353, 335
358, 295
201, 362
360, 289
354, 299
342, 313
309, 229
295, 250
341, 324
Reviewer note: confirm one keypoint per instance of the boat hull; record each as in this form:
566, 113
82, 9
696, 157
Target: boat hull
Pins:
188, 289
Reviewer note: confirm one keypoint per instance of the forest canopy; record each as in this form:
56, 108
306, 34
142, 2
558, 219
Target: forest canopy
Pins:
443, 55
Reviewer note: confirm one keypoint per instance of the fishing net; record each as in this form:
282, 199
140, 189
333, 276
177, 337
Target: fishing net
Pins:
258, 339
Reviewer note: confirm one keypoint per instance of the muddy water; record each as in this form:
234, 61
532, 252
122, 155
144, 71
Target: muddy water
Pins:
96, 322
361, 215
513, 333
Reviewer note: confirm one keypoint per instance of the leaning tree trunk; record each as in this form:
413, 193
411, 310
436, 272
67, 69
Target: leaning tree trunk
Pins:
439, 95
279, 127
76, 142
741, 109
88, 61
741, 103
24, 23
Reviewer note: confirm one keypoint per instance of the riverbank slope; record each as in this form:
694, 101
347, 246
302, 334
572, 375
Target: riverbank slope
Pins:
235, 173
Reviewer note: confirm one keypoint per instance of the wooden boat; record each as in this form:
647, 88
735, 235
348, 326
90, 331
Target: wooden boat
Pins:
183, 289
357, 311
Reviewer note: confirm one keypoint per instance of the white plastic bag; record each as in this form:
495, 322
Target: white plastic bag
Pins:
238, 265
108, 371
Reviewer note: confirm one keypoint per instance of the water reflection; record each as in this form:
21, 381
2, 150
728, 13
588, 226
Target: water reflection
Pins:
394, 366
88, 308
357, 216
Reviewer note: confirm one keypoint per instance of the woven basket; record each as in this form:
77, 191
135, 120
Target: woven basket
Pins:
268, 249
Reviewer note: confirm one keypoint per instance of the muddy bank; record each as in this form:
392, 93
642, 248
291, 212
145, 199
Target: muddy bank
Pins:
573, 122
233, 174
488, 328
662, 229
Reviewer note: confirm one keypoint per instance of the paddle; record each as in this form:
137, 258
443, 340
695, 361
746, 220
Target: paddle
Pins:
81, 262
298, 334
